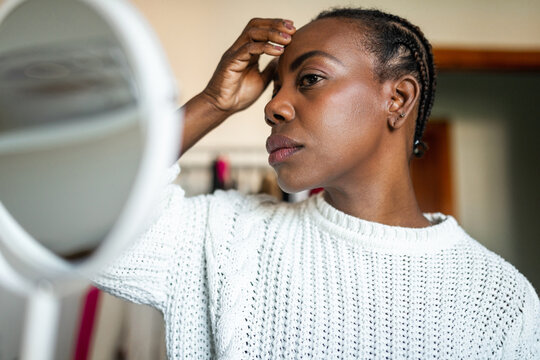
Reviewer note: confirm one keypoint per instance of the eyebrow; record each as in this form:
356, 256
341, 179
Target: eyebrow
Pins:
300, 59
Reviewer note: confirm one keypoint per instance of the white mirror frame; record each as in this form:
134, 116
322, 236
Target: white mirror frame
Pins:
157, 105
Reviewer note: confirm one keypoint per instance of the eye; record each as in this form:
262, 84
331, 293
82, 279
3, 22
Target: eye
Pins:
309, 80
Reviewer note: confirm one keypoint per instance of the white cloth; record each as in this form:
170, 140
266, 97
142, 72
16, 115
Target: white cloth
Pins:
246, 277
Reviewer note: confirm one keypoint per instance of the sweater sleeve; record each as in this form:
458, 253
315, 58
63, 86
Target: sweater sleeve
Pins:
527, 344
142, 274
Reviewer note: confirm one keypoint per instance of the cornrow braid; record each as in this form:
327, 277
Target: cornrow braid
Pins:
424, 80
400, 48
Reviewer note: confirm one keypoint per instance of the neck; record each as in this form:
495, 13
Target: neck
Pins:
383, 197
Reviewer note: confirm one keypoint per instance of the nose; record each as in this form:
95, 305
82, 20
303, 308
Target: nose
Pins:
278, 110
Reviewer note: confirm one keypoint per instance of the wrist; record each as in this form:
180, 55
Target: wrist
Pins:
217, 113
213, 102
204, 106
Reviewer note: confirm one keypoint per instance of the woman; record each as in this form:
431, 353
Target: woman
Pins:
355, 272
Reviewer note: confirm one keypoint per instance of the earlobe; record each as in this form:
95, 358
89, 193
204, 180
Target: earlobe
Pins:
396, 115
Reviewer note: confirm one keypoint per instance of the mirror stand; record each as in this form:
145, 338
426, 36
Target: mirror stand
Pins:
41, 323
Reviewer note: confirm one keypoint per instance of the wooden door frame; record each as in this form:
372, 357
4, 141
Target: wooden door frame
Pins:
499, 60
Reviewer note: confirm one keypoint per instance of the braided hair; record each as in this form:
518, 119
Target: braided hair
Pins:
400, 48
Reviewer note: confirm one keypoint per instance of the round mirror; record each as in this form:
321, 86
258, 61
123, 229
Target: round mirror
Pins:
87, 126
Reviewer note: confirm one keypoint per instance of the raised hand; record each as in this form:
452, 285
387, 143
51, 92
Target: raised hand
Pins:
238, 81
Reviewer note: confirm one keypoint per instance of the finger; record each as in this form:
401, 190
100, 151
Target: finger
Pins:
284, 25
275, 36
249, 50
279, 25
268, 73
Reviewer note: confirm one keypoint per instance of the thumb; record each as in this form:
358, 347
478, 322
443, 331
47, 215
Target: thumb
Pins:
269, 71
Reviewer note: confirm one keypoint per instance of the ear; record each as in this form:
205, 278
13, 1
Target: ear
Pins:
405, 93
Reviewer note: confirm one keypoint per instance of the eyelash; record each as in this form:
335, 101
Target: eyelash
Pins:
300, 82
314, 77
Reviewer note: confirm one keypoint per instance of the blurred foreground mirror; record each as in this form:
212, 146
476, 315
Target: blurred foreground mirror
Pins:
87, 126
71, 135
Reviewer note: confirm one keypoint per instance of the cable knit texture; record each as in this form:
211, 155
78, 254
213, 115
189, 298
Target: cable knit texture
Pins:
246, 277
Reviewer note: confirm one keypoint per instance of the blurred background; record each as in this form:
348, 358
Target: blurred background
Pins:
482, 166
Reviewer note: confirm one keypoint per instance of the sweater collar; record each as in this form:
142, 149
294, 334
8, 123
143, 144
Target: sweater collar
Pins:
444, 233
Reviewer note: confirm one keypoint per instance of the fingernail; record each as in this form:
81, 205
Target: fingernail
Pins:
288, 24
277, 47
285, 35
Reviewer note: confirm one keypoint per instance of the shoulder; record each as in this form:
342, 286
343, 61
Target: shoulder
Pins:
495, 263
232, 212
233, 199
486, 275
497, 281
233, 204
489, 296
489, 265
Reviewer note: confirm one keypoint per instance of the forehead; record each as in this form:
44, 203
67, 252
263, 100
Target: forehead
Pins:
341, 38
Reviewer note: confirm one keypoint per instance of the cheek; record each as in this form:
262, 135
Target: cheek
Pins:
352, 117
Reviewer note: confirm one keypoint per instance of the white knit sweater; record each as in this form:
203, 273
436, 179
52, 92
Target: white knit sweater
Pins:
245, 277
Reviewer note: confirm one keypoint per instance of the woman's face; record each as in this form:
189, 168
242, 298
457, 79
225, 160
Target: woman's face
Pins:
328, 113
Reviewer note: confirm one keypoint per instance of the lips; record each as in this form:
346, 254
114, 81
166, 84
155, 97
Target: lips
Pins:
280, 148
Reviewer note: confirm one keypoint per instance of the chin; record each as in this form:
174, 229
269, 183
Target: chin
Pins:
292, 184
290, 189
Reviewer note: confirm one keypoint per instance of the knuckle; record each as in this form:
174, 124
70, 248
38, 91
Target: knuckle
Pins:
252, 46
275, 33
251, 32
227, 54
253, 21
258, 48
246, 48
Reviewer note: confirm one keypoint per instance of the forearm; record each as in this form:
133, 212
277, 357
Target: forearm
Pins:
200, 117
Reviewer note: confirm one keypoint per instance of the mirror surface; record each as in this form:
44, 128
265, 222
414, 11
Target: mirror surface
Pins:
71, 134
